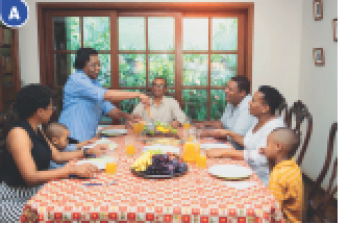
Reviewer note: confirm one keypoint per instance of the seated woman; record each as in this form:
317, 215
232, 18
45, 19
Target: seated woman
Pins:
28, 153
263, 106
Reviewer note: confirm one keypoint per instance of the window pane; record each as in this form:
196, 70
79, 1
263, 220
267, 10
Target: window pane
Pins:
161, 32
224, 35
195, 69
132, 70
105, 70
128, 105
97, 33
162, 65
63, 67
131, 33
66, 32
195, 34
217, 104
223, 66
195, 104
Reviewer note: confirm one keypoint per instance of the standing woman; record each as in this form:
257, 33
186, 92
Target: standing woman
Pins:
85, 99
28, 153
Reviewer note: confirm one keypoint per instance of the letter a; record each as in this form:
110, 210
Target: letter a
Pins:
14, 14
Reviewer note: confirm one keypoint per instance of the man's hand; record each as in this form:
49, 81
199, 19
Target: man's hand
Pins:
144, 99
221, 133
175, 124
200, 125
216, 153
132, 119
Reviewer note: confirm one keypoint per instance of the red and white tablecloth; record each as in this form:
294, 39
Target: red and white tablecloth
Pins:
194, 197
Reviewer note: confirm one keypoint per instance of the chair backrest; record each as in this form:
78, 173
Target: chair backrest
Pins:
301, 113
57, 99
10, 118
283, 111
319, 210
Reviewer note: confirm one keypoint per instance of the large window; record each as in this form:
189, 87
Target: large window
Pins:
197, 53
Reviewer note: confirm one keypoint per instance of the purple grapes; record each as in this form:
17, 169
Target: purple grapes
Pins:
163, 165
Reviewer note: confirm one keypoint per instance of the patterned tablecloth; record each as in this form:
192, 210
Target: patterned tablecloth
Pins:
194, 197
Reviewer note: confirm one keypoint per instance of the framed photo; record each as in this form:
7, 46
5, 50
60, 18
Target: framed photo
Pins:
335, 30
319, 56
318, 9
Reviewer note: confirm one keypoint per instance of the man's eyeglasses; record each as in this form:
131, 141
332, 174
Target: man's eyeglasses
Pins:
158, 85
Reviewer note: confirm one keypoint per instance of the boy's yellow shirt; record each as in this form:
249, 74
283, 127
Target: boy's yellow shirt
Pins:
286, 185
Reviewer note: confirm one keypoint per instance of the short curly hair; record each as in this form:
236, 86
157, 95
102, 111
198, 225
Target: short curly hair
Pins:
30, 98
272, 97
83, 56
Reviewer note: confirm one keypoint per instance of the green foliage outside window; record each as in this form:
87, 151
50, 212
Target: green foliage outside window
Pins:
132, 67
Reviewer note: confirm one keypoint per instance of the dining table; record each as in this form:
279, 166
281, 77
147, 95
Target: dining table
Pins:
194, 197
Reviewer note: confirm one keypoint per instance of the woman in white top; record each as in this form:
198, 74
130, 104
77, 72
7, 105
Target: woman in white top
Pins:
263, 106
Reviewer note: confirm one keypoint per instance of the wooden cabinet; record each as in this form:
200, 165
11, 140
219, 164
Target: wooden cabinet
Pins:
10, 82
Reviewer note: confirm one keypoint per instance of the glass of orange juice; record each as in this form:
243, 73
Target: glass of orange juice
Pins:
111, 167
130, 145
138, 128
202, 160
189, 152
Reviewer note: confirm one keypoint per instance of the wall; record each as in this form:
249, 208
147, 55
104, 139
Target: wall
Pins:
276, 54
318, 85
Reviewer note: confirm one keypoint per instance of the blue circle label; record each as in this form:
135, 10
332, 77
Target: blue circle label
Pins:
14, 13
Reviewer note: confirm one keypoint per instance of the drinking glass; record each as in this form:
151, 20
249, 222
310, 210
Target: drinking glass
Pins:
130, 144
111, 167
202, 160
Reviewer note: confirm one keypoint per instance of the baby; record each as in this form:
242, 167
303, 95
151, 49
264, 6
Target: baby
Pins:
58, 134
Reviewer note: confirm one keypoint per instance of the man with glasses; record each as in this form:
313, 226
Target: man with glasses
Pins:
162, 109
236, 116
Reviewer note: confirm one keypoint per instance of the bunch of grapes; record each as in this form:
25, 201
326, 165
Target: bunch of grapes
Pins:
165, 164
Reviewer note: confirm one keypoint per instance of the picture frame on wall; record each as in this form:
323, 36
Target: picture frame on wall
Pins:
335, 30
319, 56
318, 9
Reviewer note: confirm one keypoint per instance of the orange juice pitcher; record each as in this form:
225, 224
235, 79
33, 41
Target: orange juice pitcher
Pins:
189, 152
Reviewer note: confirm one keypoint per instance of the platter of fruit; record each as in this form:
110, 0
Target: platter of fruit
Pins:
159, 165
160, 129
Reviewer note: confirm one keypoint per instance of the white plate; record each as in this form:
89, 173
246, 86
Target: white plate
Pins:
214, 145
230, 171
99, 162
114, 132
112, 145
163, 148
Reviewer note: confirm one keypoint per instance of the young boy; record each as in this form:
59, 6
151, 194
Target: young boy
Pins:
58, 135
285, 181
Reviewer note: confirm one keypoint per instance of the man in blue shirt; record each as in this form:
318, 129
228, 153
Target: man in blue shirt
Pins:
236, 116
84, 99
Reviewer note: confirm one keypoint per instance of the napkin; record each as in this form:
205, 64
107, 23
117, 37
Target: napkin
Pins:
214, 145
241, 185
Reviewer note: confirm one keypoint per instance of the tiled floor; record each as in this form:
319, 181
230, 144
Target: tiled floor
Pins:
332, 209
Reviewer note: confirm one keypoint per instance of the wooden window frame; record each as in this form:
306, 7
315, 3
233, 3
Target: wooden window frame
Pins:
180, 10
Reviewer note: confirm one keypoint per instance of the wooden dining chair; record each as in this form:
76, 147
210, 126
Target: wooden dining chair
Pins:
319, 210
283, 111
9, 119
299, 112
